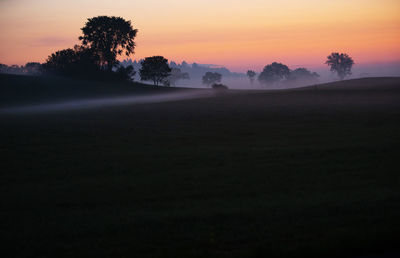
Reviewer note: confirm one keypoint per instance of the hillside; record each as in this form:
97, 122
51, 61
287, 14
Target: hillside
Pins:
19, 89
373, 83
299, 173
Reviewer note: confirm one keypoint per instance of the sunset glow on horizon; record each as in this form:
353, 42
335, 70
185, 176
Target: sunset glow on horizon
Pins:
235, 34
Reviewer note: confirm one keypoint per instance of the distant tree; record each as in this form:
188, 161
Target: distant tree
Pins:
125, 73
273, 73
3, 68
210, 78
33, 68
173, 64
12, 69
195, 66
340, 64
184, 65
176, 75
154, 69
252, 75
109, 37
302, 74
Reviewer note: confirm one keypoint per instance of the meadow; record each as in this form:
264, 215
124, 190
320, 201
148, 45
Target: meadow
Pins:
309, 172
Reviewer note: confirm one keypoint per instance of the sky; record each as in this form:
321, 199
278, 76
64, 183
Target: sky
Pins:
237, 34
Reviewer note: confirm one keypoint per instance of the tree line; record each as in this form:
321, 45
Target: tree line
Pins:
105, 38
274, 73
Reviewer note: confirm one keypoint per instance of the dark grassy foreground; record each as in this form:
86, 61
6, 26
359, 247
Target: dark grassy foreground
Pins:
305, 173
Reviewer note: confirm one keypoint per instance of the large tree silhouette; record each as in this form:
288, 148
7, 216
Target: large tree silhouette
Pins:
273, 73
109, 37
340, 64
154, 69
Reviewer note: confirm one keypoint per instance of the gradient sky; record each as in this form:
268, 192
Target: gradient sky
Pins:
233, 33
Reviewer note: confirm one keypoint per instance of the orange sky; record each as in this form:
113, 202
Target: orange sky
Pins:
236, 34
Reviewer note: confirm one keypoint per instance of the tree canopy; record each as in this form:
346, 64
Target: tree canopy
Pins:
76, 62
251, 74
302, 74
109, 37
210, 78
154, 69
273, 73
340, 64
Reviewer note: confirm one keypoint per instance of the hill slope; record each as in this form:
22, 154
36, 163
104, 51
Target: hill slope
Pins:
373, 83
18, 89
305, 173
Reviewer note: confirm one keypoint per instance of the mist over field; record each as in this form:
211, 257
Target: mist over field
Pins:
239, 80
82, 104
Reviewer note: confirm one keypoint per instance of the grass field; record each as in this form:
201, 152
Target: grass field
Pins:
296, 173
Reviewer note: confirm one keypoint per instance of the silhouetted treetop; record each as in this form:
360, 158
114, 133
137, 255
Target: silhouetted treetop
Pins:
340, 64
109, 37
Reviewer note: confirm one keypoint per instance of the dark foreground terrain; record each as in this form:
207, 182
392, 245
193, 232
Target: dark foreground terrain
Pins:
303, 173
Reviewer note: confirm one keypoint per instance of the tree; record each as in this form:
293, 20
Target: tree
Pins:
251, 74
109, 37
3, 68
154, 69
273, 73
12, 69
176, 75
302, 74
61, 61
340, 64
33, 68
210, 78
125, 73
80, 61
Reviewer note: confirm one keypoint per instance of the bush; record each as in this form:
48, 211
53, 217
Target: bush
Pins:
219, 86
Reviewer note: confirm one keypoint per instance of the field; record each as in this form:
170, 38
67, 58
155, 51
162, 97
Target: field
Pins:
309, 172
